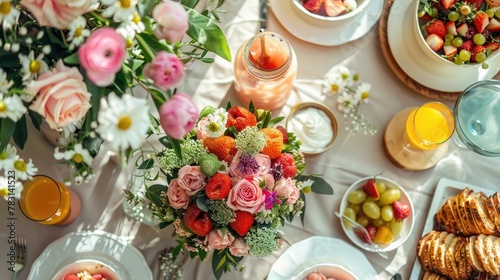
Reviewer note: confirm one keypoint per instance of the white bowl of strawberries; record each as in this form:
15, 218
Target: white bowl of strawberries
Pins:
459, 32
383, 207
328, 11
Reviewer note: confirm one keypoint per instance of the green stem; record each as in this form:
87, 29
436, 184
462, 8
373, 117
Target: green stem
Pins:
148, 52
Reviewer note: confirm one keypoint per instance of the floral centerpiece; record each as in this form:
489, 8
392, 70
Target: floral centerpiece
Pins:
73, 65
240, 178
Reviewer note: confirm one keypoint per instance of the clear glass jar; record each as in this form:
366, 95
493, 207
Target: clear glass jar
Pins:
265, 77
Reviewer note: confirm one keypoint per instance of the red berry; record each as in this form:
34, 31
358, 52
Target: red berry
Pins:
218, 186
401, 210
370, 189
71, 277
240, 118
284, 132
437, 27
197, 220
287, 163
242, 223
371, 229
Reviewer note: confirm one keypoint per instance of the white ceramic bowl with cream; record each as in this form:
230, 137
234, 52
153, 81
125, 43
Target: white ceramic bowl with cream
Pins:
315, 18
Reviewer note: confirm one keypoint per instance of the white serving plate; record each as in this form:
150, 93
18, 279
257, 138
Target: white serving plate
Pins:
106, 248
445, 188
332, 33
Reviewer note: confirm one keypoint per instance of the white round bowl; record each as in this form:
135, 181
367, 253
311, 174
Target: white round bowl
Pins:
407, 223
314, 18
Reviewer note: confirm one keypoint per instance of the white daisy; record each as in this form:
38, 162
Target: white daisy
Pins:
8, 14
10, 189
12, 107
363, 92
5, 84
24, 170
77, 32
32, 67
129, 28
78, 155
9, 153
121, 10
346, 103
123, 121
214, 126
334, 84
221, 113
69, 129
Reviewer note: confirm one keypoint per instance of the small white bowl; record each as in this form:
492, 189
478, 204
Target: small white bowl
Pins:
91, 266
314, 18
407, 223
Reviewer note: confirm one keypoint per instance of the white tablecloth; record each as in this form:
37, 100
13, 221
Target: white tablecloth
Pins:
352, 157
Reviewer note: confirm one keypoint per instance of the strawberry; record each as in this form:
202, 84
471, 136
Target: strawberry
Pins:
287, 165
450, 50
480, 21
436, 27
476, 50
334, 7
197, 220
478, 3
493, 46
493, 25
71, 277
218, 186
312, 5
224, 147
448, 3
435, 42
240, 118
371, 229
401, 210
98, 276
370, 189
284, 132
451, 28
462, 29
468, 45
242, 222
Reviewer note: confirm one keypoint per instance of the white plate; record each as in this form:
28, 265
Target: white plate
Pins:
103, 247
445, 188
417, 64
324, 250
330, 34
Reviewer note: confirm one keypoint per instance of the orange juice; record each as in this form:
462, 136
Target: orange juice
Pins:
429, 126
45, 200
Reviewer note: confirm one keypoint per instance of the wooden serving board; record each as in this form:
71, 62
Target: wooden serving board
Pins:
407, 80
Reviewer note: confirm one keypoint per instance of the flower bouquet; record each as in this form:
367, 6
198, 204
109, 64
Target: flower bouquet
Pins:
239, 179
73, 65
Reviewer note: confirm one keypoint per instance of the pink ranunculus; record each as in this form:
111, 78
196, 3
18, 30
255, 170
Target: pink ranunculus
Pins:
171, 21
263, 164
239, 248
246, 195
177, 196
191, 179
102, 55
61, 96
57, 13
285, 188
166, 70
218, 240
178, 115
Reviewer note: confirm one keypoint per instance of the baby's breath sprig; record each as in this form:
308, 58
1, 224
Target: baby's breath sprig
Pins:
351, 93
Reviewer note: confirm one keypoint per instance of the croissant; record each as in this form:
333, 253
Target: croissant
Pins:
458, 257
470, 213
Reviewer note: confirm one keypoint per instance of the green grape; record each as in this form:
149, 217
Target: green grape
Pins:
464, 55
458, 61
497, 13
387, 213
453, 16
378, 222
490, 13
480, 57
449, 37
389, 196
356, 197
457, 42
395, 227
363, 220
485, 66
355, 207
435, 12
479, 39
421, 13
371, 210
349, 212
381, 187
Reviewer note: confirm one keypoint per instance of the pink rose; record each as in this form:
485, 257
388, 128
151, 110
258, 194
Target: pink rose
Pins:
285, 188
57, 13
218, 240
166, 70
61, 96
245, 196
171, 21
177, 196
200, 133
191, 179
102, 55
244, 169
239, 247
178, 115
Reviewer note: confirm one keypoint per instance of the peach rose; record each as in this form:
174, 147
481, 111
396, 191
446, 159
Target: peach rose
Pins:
218, 240
200, 134
246, 195
239, 247
191, 179
57, 13
61, 96
262, 166
177, 196
171, 21
285, 188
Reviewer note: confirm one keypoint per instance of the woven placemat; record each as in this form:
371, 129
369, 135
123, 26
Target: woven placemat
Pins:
407, 80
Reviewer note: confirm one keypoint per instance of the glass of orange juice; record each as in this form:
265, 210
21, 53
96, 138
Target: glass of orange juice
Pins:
49, 202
